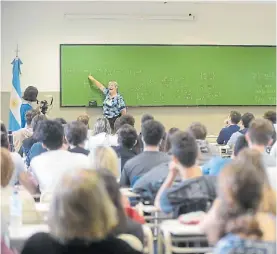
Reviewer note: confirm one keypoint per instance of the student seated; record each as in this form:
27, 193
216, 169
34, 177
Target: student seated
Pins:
101, 134
271, 116
19, 171
85, 120
177, 198
26, 132
148, 185
199, 131
152, 133
245, 119
48, 167
236, 222
76, 135
29, 142
127, 139
125, 224
29, 213
231, 128
102, 157
81, 219
144, 118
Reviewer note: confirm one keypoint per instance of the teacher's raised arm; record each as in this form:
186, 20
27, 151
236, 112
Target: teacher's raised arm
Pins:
114, 105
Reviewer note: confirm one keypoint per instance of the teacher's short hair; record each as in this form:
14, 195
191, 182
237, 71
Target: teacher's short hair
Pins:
30, 94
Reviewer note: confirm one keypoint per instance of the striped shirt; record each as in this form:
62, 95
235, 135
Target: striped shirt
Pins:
112, 107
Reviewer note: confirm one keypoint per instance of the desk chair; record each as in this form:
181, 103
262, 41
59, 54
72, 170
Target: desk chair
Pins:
175, 237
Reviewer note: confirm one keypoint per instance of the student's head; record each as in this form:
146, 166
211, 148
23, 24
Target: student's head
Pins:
4, 136
51, 134
145, 118
7, 167
246, 119
102, 125
104, 157
76, 133
241, 143
184, 149
167, 145
235, 117
35, 124
30, 115
125, 119
60, 120
127, 136
271, 116
198, 130
240, 191
152, 133
113, 190
30, 94
81, 208
260, 133
84, 119
113, 87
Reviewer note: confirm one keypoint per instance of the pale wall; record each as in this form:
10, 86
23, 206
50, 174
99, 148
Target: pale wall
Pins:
39, 28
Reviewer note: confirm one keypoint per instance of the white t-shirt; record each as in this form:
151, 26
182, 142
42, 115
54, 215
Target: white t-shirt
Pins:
50, 166
102, 139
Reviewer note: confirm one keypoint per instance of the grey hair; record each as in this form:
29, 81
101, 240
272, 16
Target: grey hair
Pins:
81, 207
102, 125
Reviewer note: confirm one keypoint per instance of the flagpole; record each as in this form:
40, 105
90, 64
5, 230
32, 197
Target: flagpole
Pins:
17, 50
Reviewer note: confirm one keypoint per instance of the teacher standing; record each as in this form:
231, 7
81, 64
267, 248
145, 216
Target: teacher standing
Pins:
113, 105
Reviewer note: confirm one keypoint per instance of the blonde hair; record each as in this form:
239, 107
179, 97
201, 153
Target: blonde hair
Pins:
104, 157
102, 125
112, 82
84, 119
81, 207
7, 167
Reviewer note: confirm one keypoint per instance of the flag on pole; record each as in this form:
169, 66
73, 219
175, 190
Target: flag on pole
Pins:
15, 100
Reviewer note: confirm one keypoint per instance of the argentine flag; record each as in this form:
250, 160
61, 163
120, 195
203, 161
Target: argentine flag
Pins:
15, 100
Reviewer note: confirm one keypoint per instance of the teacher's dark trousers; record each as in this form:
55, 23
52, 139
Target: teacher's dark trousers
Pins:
112, 121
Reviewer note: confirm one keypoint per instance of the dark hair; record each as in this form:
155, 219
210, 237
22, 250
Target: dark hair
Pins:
113, 190
125, 119
235, 117
152, 132
184, 148
30, 114
167, 144
260, 131
36, 121
30, 94
51, 134
271, 116
4, 136
60, 120
76, 133
246, 119
240, 144
245, 185
146, 117
198, 130
127, 136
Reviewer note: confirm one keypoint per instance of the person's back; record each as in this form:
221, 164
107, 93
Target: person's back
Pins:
49, 166
152, 132
227, 132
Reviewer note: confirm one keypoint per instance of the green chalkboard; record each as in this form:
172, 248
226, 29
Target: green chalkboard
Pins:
170, 75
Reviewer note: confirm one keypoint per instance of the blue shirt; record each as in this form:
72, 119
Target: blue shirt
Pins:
112, 107
23, 109
234, 244
226, 133
36, 150
215, 165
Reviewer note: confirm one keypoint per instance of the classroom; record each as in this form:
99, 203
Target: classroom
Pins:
163, 99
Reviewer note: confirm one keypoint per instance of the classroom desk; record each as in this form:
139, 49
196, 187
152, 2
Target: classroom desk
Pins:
172, 233
20, 234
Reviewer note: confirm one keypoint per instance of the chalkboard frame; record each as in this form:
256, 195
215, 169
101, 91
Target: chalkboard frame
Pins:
156, 106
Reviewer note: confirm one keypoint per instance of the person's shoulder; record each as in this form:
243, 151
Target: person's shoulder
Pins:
39, 243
